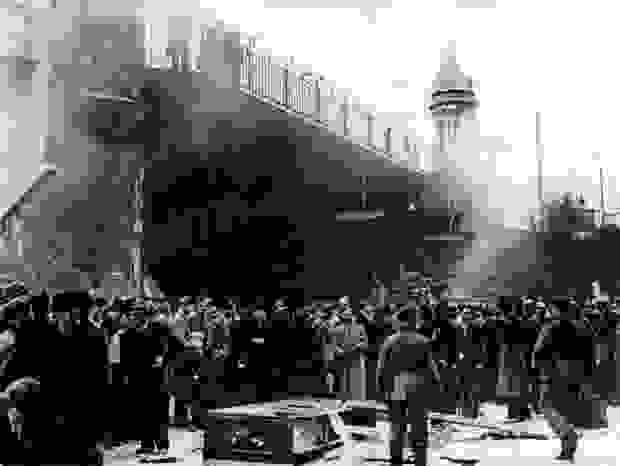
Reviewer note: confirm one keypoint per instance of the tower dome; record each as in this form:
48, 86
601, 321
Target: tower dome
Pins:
452, 89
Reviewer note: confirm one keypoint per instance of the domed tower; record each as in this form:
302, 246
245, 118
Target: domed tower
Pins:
453, 100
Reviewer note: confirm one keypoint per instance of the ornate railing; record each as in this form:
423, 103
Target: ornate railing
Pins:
263, 77
311, 96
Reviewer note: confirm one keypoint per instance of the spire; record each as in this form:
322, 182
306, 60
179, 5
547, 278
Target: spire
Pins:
450, 75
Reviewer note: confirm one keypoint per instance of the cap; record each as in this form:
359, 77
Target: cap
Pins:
279, 305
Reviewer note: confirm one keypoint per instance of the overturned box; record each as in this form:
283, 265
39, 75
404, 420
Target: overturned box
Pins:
290, 432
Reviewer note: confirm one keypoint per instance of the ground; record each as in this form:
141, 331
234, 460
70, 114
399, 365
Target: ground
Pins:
597, 447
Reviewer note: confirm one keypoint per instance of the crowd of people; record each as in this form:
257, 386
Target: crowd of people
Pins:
103, 373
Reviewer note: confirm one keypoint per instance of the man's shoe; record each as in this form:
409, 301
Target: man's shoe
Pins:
145, 451
565, 456
569, 447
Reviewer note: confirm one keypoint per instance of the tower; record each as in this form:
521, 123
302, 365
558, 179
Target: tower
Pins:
453, 101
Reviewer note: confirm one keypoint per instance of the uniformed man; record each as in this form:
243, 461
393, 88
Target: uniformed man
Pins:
565, 348
405, 372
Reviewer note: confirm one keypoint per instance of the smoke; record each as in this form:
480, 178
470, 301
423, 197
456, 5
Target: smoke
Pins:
468, 177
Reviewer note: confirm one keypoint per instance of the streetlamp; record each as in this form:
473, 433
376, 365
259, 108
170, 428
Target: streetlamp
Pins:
138, 226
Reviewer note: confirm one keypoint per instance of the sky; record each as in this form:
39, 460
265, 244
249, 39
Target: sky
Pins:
524, 57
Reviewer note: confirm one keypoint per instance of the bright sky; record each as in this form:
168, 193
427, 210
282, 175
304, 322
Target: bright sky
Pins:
524, 56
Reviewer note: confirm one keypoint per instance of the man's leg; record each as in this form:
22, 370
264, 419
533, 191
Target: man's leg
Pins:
345, 382
555, 405
148, 427
119, 413
371, 375
160, 408
476, 383
417, 417
181, 409
111, 415
398, 429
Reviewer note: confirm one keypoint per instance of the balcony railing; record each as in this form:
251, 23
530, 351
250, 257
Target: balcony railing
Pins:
263, 77
310, 95
307, 95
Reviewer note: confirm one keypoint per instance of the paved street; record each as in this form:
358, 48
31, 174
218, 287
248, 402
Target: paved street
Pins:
598, 447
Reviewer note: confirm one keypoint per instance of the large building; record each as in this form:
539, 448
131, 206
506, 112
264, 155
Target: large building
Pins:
244, 193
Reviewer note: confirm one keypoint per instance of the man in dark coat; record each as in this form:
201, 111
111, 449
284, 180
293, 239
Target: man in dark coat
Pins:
244, 334
565, 348
258, 355
69, 364
538, 319
280, 339
307, 369
522, 334
446, 350
378, 330
492, 335
82, 351
25, 426
152, 347
471, 364
405, 373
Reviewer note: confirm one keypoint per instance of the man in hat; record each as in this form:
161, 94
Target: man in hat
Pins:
379, 330
405, 372
114, 325
521, 335
471, 364
539, 376
80, 351
350, 339
446, 350
307, 376
565, 348
154, 348
279, 338
27, 441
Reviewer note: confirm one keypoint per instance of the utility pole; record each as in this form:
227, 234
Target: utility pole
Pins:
138, 272
602, 176
539, 159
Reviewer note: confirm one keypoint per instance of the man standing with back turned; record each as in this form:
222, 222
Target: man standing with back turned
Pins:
565, 350
405, 372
